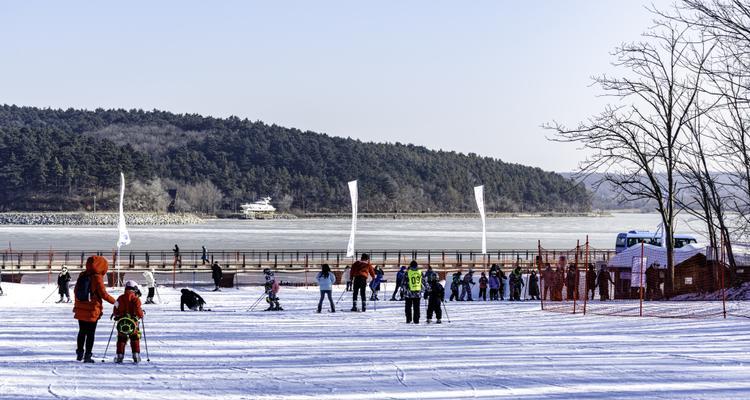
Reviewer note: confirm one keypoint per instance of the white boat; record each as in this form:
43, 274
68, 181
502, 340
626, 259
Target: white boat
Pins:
258, 209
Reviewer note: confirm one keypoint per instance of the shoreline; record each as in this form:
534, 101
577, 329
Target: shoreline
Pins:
157, 219
95, 219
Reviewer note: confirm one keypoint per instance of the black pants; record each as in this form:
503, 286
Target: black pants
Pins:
483, 293
86, 335
348, 285
150, 293
454, 294
433, 306
360, 286
216, 282
398, 286
324, 293
412, 309
493, 294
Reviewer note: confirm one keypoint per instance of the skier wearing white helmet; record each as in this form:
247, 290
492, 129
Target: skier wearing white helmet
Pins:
150, 284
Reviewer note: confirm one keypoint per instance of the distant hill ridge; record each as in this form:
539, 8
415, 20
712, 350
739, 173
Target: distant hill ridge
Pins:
62, 159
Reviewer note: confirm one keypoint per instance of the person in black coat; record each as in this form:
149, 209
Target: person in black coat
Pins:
216, 274
63, 282
192, 300
435, 300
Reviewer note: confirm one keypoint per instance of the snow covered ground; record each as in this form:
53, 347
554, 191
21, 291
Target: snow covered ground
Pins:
489, 350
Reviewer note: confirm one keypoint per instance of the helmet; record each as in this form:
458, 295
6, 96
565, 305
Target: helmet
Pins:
432, 277
64, 268
131, 285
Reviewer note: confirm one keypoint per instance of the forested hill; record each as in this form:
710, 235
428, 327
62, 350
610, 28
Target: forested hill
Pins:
63, 159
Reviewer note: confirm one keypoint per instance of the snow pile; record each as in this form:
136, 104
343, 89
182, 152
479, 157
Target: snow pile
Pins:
738, 293
490, 350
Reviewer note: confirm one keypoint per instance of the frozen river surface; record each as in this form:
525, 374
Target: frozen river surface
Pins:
502, 233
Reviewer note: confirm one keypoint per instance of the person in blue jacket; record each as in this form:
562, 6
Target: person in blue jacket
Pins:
325, 279
399, 280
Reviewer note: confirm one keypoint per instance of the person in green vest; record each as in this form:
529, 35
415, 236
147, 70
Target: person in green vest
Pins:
414, 285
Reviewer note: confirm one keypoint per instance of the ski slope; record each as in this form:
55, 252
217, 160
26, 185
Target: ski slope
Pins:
489, 350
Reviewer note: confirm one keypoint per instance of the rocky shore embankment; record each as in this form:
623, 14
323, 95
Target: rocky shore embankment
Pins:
39, 218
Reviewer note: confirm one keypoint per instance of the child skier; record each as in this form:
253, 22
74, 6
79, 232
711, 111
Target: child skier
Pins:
399, 281
466, 286
502, 278
272, 288
325, 279
435, 299
128, 312
517, 279
483, 287
151, 285
455, 284
494, 285
375, 283
63, 281
192, 300
534, 286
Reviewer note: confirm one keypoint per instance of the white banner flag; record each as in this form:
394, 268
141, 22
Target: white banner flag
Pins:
479, 195
354, 196
638, 272
124, 238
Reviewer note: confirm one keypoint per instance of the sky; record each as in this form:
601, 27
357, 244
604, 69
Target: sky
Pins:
469, 76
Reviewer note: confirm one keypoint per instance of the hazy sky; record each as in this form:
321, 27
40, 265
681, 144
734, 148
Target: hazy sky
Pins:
470, 76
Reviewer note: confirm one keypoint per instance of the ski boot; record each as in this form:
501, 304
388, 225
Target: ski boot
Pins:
354, 307
438, 322
119, 358
59, 301
87, 358
364, 308
79, 355
136, 358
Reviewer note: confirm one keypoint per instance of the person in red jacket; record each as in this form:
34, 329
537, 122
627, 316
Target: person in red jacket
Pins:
127, 313
360, 270
87, 309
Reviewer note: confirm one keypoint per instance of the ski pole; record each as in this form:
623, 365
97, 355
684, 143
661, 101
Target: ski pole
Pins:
446, 311
342, 296
256, 302
145, 341
50, 295
109, 340
156, 289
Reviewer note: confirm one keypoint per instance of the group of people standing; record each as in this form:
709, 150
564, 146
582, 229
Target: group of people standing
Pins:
555, 280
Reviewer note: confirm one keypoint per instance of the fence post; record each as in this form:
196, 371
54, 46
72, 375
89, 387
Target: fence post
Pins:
575, 276
586, 275
723, 290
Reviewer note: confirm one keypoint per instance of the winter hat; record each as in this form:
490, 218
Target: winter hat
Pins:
413, 264
64, 269
131, 285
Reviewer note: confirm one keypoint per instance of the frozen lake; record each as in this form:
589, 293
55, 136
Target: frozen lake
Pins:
489, 350
502, 233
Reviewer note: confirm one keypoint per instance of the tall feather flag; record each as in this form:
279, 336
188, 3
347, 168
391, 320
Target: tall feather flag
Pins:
124, 238
354, 195
479, 196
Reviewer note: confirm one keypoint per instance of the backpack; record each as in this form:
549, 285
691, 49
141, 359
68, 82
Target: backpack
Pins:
83, 288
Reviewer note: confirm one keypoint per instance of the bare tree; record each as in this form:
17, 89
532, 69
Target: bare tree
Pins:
638, 142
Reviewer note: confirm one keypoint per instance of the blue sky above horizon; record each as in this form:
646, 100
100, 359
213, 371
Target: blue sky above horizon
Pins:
479, 76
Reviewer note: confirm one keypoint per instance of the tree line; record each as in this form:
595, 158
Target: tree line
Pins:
54, 159
677, 130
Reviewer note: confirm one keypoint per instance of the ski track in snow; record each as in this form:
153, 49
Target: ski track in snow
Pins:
489, 351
